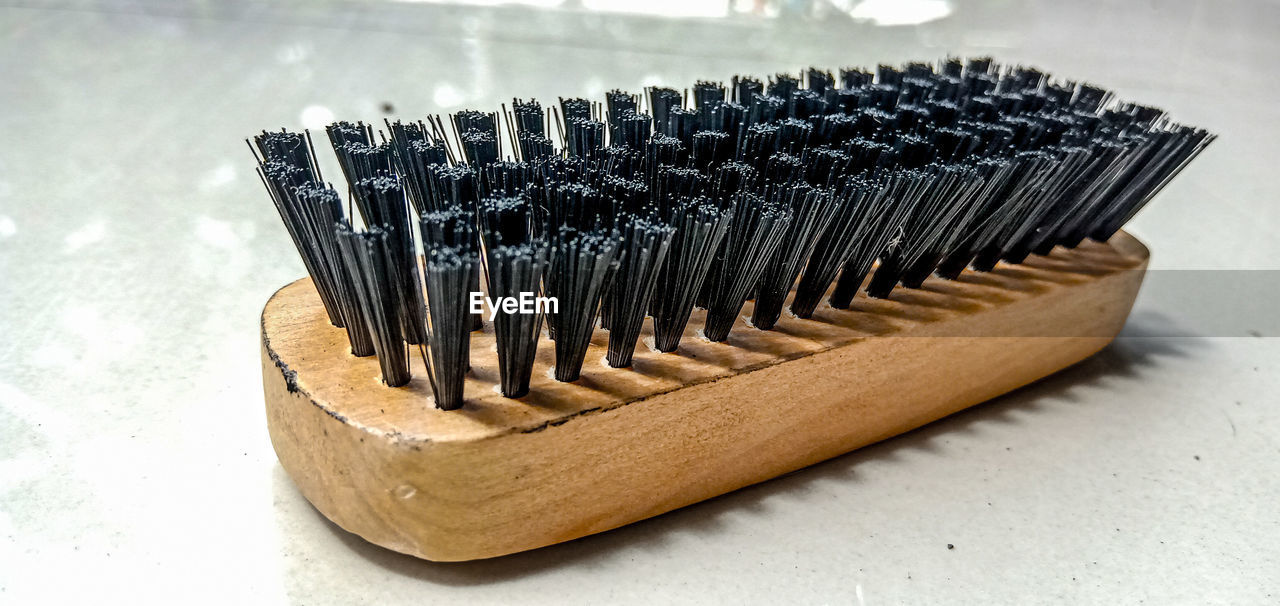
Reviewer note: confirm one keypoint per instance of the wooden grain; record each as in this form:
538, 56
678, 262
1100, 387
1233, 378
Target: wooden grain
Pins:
620, 445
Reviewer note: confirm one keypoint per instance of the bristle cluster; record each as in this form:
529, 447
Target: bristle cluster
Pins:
788, 187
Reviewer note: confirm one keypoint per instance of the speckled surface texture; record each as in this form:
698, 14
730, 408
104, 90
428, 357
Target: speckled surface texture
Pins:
137, 249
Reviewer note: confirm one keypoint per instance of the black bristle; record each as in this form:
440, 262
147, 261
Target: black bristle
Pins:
856, 225
574, 109
979, 65
449, 227
584, 138
1177, 146
504, 179
643, 249
383, 204
533, 146
672, 183
956, 213
306, 225
450, 186
682, 124
629, 196
834, 129
661, 101
514, 271
927, 168
622, 161
290, 148
451, 224
707, 96
755, 232
744, 88
793, 135
819, 80
731, 178
342, 133
549, 173
700, 226
479, 147
812, 210
782, 85
631, 130
918, 69
866, 155
449, 275
902, 191
880, 96
765, 108
1025, 202
370, 260
360, 161
1027, 77
1073, 167
807, 104
855, 77
580, 263
515, 262
506, 221
469, 119
310, 212
1090, 99
935, 197
477, 136
1107, 160
414, 150
989, 212
888, 74
710, 148
619, 104
824, 166
782, 168
842, 101
576, 205
978, 85
758, 144
664, 151
321, 210
953, 67
728, 117
528, 117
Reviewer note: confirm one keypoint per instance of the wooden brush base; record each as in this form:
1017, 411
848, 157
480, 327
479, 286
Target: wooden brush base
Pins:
620, 445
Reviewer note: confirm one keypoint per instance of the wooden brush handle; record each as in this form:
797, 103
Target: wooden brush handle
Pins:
620, 445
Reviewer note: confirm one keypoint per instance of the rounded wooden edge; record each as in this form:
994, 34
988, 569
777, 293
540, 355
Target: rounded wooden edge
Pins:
1130, 246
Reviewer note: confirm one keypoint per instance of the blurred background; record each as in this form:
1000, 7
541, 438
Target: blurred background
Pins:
137, 248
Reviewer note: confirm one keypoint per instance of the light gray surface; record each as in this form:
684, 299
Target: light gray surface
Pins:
137, 248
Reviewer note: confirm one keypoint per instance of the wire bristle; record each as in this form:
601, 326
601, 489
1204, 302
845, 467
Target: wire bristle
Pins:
717, 194
513, 271
755, 232
515, 262
371, 263
383, 204
811, 211
580, 263
700, 226
643, 250
450, 273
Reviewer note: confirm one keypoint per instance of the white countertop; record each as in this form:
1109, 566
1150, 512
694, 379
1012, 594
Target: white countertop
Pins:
137, 248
